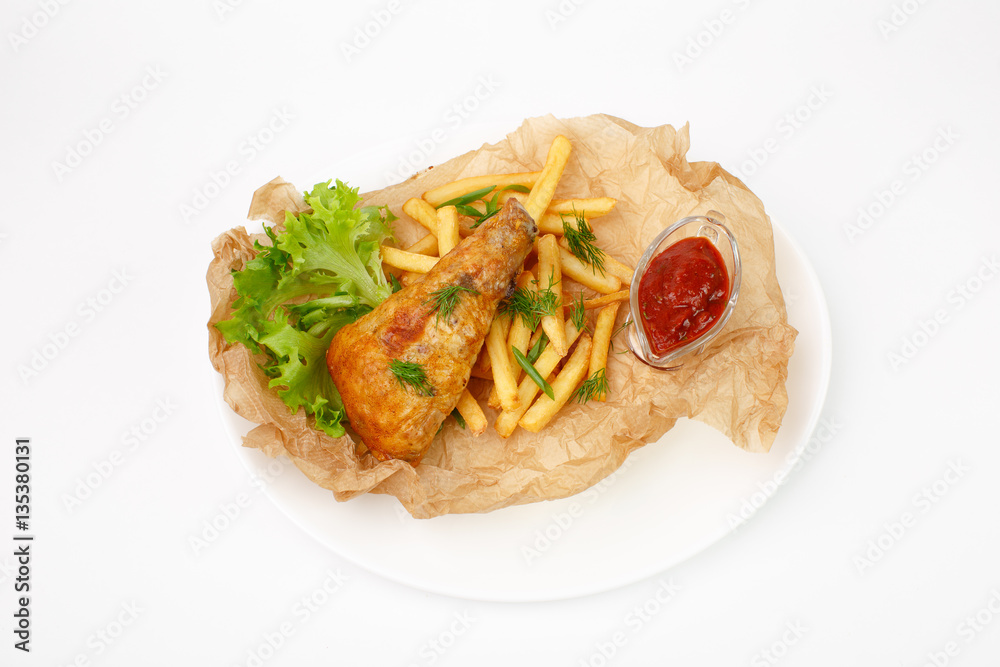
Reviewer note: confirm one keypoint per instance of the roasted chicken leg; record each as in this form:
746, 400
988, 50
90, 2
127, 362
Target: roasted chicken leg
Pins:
413, 333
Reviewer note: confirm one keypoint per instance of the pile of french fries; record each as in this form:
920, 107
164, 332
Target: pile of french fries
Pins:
572, 355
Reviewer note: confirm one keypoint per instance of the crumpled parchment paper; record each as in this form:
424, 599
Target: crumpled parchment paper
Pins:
737, 385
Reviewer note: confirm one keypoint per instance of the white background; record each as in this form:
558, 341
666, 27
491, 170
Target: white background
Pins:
116, 116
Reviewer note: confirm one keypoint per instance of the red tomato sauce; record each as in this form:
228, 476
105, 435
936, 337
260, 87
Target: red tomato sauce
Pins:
682, 293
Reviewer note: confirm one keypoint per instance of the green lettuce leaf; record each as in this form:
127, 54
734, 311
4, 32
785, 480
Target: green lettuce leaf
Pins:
323, 271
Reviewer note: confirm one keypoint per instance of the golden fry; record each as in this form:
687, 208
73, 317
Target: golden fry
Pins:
422, 212
500, 362
408, 261
592, 207
545, 186
602, 341
586, 274
518, 336
527, 390
550, 277
425, 246
472, 413
601, 301
544, 408
614, 267
441, 194
447, 226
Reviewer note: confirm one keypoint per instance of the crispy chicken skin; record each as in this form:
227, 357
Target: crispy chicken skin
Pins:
392, 418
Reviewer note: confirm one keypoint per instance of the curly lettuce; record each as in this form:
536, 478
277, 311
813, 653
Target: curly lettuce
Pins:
322, 271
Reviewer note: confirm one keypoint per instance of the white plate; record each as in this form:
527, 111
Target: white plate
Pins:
670, 500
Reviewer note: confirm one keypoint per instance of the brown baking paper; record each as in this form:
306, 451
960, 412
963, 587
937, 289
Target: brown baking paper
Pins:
737, 385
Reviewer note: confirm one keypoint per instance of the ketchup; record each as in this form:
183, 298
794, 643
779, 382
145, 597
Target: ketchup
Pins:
682, 293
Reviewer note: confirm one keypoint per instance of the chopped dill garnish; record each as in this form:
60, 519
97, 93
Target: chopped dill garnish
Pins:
581, 242
445, 300
578, 313
594, 387
530, 305
413, 374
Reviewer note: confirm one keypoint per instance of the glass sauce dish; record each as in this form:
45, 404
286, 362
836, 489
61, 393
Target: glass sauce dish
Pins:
712, 228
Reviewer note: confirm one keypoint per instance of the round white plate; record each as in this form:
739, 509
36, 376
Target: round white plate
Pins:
670, 500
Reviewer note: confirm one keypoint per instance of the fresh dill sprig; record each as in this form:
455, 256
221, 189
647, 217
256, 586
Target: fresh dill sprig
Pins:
594, 387
581, 242
615, 334
530, 305
578, 313
445, 300
413, 374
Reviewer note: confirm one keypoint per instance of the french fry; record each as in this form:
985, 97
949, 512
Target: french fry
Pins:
544, 408
520, 333
407, 278
422, 212
592, 207
472, 413
507, 421
447, 226
518, 336
545, 186
586, 274
425, 246
552, 223
623, 271
602, 341
407, 261
481, 369
601, 301
550, 277
500, 362
463, 186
